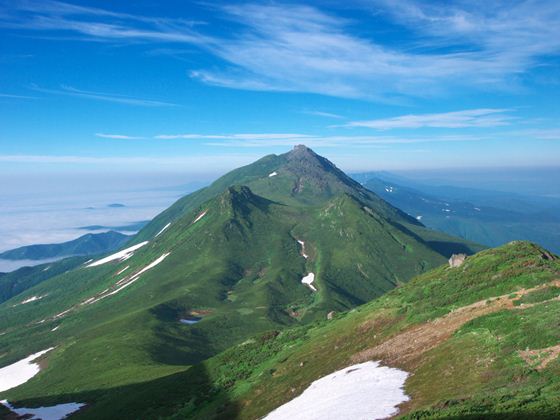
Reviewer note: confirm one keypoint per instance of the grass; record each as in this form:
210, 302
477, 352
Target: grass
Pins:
475, 373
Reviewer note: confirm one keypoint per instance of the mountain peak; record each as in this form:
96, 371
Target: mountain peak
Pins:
302, 151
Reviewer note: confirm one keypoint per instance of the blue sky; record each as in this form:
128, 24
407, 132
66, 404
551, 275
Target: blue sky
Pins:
204, 87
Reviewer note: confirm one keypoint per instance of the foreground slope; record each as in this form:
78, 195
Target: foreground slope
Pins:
301, 241
481, 341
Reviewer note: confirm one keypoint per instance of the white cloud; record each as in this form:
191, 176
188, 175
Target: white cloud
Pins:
304, 49
539, 134
8, 95
245, 136
485, 117
117, 136
101, 96
195, 163
288, 140
324, 114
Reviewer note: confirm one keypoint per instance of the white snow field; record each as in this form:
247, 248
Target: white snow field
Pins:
56, 412
125, 254
20, 372
365, 391
308, 280
270, 175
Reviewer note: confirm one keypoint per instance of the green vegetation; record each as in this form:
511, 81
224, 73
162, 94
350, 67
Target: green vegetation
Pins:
546, 293
18, 281
489, 218
474, 370
90, 244
231, 257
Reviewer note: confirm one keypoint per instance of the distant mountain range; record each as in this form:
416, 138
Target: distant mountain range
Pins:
230, 302
491, 218
89, 244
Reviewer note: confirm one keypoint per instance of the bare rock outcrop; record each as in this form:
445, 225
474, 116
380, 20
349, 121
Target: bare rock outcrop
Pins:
457, 260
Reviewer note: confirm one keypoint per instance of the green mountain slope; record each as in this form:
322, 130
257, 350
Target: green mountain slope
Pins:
89, 244
490, 218
481, 341
213, 270
18, 281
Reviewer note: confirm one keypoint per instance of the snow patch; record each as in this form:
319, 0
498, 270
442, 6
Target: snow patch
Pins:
418, 217
308, 280
55, 328
123, 270
389, 189
20, 372
55, 412
477, 209
62, 313
163, 229
363, 391
272, 174
190, 321
123, 255
32, 299
200, 216
303, 254
127, 281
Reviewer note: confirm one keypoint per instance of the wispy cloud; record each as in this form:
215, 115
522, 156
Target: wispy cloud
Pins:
304, 49
485, 117
8, 95
242, 136
267, 140
102, 96
196, 163
118, 136
324, 114
99, 24
539, 134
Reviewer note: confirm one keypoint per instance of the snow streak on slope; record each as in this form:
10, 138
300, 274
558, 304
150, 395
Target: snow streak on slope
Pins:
125, 282
32, 299
163, 229
200, 216
365, 391
125, 254
303, 254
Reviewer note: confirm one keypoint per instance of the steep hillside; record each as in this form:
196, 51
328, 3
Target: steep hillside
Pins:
481, 341
89, 244
18, 281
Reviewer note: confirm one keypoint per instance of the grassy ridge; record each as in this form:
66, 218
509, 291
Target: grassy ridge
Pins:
476, 370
